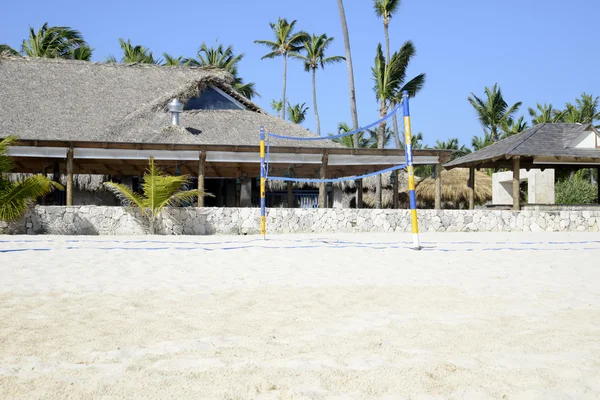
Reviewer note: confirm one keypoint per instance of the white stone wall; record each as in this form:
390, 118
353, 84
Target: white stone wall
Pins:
98, 220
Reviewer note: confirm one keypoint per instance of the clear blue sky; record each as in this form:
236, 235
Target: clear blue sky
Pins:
537, 50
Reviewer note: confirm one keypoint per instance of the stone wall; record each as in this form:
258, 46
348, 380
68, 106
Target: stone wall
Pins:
98, 220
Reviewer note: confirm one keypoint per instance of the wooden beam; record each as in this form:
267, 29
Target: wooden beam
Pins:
70, 176
516, 168
438, 186
471, 188
290, 194
359, 194
201, 173
322, 186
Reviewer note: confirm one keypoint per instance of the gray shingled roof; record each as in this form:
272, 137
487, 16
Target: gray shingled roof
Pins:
538, 141
49, 99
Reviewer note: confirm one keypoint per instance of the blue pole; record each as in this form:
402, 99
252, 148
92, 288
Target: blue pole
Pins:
411, 172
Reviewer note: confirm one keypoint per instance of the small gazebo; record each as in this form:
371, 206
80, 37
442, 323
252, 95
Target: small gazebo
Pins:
557, 145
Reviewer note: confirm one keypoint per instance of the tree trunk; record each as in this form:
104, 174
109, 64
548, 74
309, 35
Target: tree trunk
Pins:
314, 82
392, 103
380, 144
152, 226
283, 102
351, 88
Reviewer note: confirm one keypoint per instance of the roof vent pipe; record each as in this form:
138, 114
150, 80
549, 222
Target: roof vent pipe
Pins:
175, 108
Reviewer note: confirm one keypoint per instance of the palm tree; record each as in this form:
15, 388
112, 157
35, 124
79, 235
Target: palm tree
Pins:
83, 53
172, 61
385, 9
585, 110
415, 140
479, 143
511, 127
16, 197
53, 42
159, 190
223, 57
133, 54
216, 56
493, 111
389, 83
351, 89
348, 141
297, 112
452, 144
277, 106
547, 114
6, 49
315, 49
286, 41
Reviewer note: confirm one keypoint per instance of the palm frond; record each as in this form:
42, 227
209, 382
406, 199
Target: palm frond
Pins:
127, 195
15, 198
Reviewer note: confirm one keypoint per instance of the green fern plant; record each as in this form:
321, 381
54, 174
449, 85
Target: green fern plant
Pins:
159, 190
15, 197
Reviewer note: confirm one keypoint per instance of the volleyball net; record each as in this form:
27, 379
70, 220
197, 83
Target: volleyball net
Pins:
408, 165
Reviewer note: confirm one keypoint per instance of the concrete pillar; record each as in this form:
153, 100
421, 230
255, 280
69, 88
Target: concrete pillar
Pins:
246, 192
201, 165
70, 176
516, 167
322, 188
438, 186
598, 183
471, 188
290, 194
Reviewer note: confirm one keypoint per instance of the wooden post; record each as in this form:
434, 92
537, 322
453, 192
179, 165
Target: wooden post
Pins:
201, 162
322, 187
290, 194
70, 176
359, 194
395, 189
438, 186
516, 167
471, 188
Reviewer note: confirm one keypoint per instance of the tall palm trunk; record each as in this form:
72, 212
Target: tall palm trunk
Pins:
380, 144
351, 88
283, 103
314, 82
386, 25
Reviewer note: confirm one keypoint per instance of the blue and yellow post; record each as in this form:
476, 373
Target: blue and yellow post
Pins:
263, 177
411, 172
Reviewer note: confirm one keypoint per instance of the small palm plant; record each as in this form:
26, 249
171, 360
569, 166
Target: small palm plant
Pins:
159, 189
16, 197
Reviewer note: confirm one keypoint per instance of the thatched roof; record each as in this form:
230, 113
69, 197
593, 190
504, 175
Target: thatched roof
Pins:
52, 99
83, 182
455, 188
542, 140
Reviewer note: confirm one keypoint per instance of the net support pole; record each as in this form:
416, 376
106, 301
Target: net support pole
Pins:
263, 176
411, 172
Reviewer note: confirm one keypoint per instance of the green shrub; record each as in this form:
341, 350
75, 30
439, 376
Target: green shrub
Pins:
576, 191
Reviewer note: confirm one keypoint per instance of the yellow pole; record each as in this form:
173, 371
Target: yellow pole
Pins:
411, 173
263, 176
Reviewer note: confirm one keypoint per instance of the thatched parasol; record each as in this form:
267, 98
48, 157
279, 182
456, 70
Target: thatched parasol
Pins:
455, 190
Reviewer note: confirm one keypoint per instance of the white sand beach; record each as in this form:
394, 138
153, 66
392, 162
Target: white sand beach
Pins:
354, 316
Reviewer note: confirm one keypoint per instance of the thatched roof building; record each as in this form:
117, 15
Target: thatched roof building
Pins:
81, 117
455, 189
54, 99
